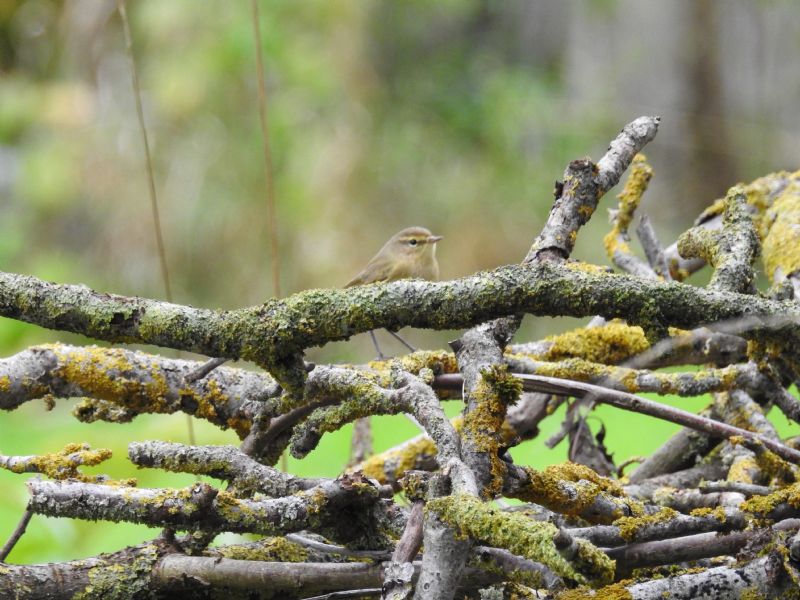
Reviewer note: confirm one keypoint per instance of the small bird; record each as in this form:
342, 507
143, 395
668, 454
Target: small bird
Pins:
409, 254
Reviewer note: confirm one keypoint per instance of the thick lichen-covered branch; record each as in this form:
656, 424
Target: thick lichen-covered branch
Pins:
222, 462
522, 536
761, 195
118, 384
731, 249
271, 334
572, 489
695, 383
201, 507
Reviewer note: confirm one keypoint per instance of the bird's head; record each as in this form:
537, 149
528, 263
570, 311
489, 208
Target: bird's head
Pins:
413, 242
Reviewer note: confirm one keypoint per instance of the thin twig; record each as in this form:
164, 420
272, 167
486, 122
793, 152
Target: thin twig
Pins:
652, 248
19, 531
631, 402
333, 549
204, 369
347, 594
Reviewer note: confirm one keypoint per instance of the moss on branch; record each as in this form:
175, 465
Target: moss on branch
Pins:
522, 536
276, 333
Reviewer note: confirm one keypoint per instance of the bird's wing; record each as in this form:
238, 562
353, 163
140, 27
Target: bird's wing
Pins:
375, 271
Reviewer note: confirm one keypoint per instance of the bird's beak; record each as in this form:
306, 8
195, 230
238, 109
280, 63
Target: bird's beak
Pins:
432, 239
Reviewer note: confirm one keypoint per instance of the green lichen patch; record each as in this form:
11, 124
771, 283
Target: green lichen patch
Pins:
271, 549
65, 463
483, 425
718, 513
116, 581
519, 576
610, 344
480, 521
764, 505
640, 174
780, 231
630, 526
615, 591
571, 489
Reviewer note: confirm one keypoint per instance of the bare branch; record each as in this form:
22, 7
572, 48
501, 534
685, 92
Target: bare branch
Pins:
203, 508
641, 405
15, 536
222, 462
652, 248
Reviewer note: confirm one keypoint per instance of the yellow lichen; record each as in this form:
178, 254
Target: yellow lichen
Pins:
392, 465
630, 526
108, 376
577, 265
751, 593
548, 489
64, 464
763, 505
5, 383
743, 469
758, 193
718, 513
780, 231
763, 462
612, 343
615, 591
495, 391
270, 549
523, 536
640, 174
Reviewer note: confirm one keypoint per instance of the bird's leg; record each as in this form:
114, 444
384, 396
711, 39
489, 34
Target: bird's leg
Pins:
381, 356
401, 340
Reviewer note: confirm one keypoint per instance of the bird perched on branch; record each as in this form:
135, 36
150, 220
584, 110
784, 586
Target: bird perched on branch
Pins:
409, 254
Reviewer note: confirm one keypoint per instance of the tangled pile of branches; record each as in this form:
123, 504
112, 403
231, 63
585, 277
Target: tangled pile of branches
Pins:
714, 513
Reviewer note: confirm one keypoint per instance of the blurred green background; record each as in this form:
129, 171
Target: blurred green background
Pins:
455, 115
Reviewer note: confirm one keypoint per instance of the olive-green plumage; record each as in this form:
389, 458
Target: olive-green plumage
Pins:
409, 254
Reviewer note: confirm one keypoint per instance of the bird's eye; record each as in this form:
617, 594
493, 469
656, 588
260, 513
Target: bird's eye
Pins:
412, 242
